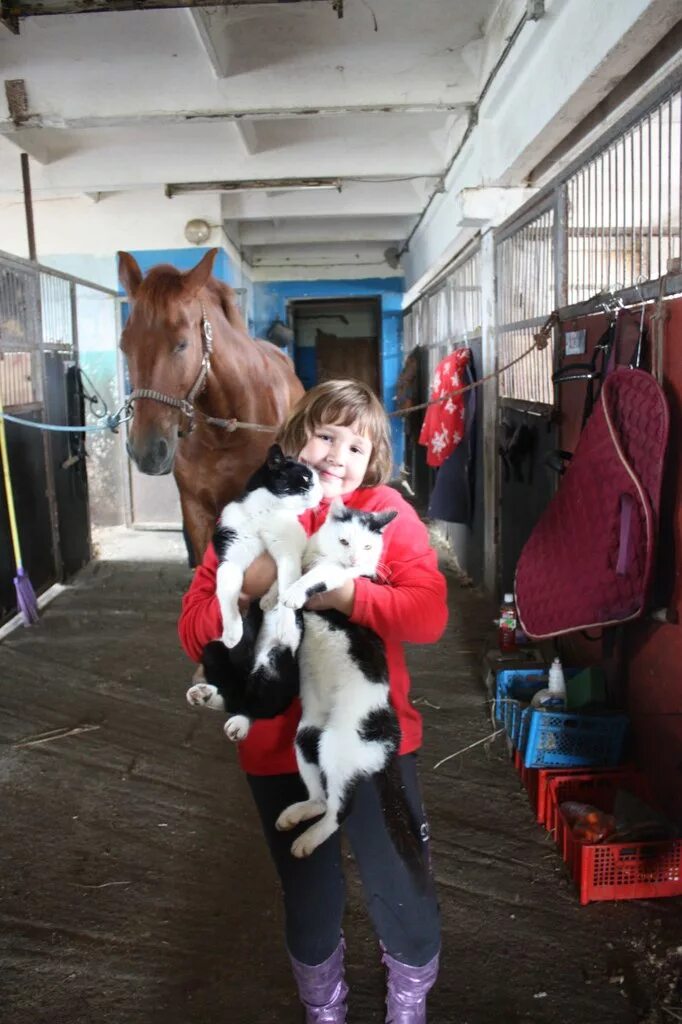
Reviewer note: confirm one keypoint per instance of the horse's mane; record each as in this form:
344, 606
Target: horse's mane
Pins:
161, 284
165, 283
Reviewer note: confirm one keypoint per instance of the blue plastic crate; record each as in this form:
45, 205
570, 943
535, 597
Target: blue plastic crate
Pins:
509, 679
519, 720
513, 719
524, 725
562, 739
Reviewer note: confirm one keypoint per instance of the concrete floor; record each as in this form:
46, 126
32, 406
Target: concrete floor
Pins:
135, 888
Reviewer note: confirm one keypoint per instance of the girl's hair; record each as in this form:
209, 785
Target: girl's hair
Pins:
343, 403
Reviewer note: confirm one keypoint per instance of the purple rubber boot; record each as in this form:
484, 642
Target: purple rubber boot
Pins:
322, 988
407, 989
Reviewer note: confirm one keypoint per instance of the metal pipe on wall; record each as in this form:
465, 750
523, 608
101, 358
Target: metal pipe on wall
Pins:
28, 207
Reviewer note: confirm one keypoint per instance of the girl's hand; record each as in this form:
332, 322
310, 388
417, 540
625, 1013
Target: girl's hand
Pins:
259, 576
258, 579
341, 600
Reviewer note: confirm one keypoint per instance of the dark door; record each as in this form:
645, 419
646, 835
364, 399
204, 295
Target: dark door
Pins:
343, 358
64, 402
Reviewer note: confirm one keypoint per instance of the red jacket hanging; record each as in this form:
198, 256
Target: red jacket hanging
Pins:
443, 426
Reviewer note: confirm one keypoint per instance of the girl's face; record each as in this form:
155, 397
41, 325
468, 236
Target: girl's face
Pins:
340, 455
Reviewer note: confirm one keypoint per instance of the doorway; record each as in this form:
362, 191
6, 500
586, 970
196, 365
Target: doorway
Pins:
337, 338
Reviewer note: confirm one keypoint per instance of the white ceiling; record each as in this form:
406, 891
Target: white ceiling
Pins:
138, 100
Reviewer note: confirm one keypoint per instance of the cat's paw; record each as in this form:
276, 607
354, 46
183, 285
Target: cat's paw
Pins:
296, 813
288, 632
205, 695
269, 599
313, 837
237, 728
295, 596
232, 632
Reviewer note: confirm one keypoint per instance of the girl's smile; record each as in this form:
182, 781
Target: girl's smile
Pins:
340, 455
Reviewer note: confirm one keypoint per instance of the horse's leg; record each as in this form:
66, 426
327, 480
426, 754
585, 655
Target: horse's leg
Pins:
198, 524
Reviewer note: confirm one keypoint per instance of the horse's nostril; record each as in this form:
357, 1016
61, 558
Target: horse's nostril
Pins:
163, 450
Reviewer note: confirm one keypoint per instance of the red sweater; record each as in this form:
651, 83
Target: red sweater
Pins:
408, 606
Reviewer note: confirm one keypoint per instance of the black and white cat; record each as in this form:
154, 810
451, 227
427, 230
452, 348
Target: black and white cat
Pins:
252, 673
348, 729
265, 518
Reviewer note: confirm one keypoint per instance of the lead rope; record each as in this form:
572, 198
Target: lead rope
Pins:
540, 342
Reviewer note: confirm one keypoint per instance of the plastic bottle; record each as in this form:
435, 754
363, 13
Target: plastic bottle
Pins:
588, 823
553, 697
506, 637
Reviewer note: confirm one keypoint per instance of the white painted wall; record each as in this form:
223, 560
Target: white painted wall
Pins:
557, 72
122, 220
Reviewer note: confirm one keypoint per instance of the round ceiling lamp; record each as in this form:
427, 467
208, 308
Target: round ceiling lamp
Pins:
197, 231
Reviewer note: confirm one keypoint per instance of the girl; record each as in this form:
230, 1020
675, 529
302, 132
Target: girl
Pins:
340, 429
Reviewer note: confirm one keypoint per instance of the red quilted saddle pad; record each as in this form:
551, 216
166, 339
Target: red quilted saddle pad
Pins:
589, 560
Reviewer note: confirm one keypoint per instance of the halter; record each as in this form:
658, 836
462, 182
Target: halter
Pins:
185, 405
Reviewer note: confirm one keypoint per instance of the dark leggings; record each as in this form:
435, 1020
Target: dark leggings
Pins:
405, 919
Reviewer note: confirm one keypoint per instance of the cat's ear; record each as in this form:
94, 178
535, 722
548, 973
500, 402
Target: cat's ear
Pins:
275, 457
382, 519
337, 509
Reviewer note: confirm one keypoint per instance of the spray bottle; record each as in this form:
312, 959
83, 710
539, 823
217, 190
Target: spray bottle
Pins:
553, 698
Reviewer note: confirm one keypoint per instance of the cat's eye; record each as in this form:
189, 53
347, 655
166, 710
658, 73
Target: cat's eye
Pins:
344, 542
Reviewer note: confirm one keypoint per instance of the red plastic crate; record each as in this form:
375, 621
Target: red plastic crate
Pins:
599, 786
544, 805
615, 871
529, 777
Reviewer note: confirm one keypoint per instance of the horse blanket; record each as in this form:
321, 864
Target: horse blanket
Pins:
589, 560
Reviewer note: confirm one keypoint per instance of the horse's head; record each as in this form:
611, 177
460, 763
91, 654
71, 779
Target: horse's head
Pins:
162, 342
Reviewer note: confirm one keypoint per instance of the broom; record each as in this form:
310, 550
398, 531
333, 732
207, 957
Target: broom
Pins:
26, 598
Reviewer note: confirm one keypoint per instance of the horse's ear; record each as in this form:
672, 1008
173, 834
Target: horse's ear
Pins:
197, 277
129, 273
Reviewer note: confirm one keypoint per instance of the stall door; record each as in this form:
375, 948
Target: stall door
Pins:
339, 358
68, 452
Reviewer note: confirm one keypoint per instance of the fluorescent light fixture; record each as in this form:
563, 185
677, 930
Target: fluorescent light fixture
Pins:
257, 185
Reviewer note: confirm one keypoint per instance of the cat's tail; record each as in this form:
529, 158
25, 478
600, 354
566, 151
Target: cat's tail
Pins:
404, 830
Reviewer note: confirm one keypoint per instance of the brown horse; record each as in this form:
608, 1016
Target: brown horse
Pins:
190, 357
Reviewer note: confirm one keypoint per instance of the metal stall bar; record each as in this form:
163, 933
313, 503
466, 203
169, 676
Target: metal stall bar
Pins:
526, 271
635, 219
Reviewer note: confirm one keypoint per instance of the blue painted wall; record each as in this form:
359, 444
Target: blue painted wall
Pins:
270, 302
184, 259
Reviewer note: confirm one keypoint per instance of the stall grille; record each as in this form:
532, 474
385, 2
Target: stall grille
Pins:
624, 206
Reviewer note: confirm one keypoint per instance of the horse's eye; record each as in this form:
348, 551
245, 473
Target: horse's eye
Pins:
180, 347
344, 542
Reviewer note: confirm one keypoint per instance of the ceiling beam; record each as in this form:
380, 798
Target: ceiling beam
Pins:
31, 143
13, 11
290, 231
202, 23
192, 116
248, 136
